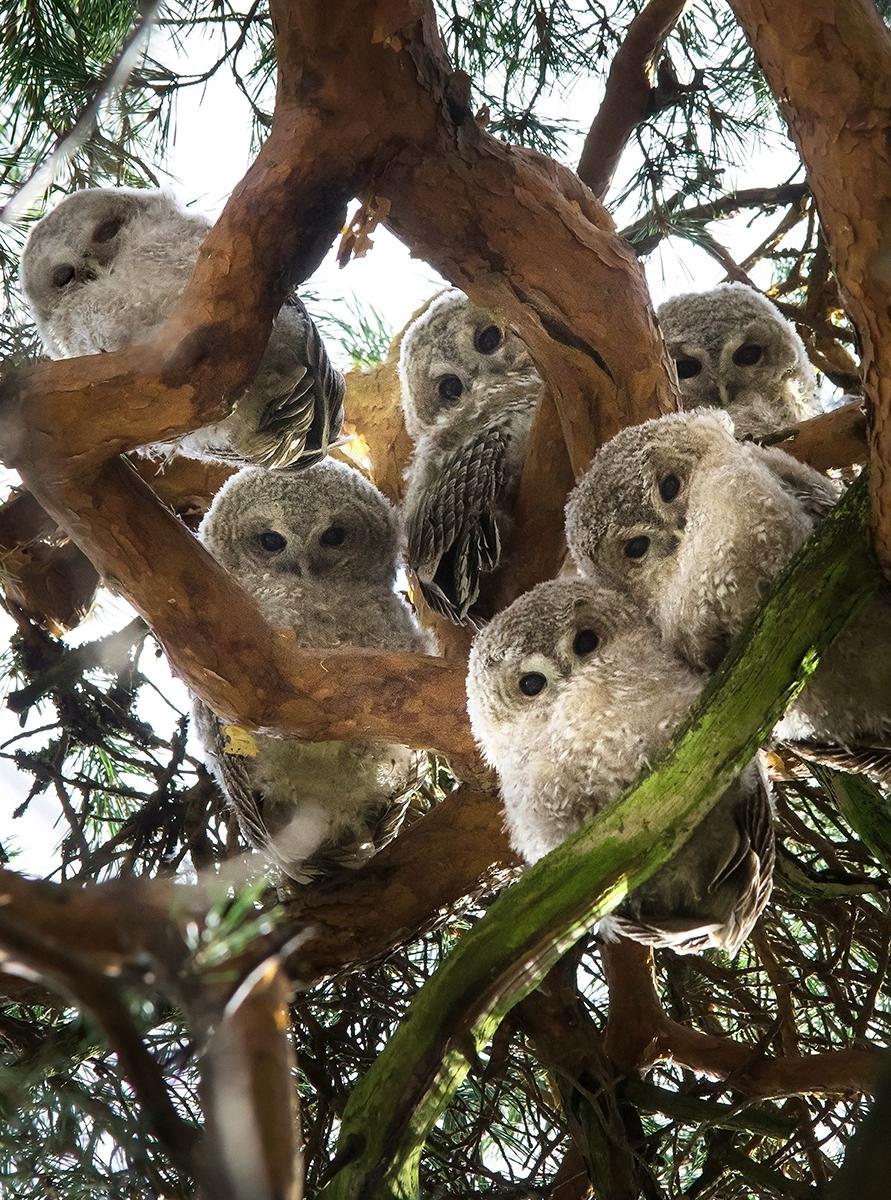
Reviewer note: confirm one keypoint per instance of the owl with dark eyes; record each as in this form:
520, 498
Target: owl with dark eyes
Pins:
318, 549
733, 349
469, 392
572, 695
104, 269
696, 526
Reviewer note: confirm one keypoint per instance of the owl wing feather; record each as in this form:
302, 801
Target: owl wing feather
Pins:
747, 866
816, 494
300, 422
873, 761
453, 535
347, 853
245, 800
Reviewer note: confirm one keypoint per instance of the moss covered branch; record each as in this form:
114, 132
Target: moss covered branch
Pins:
391, 1112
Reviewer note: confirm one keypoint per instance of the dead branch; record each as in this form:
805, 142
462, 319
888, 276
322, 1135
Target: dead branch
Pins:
646, 233
829, 66
566, 1041
24, 949
355, 918
630, 94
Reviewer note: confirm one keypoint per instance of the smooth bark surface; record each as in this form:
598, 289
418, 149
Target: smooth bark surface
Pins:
828, 63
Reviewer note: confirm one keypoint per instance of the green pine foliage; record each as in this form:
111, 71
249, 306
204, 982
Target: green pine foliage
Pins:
103, 752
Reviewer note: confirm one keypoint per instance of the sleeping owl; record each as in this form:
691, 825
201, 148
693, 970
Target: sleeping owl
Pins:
696, 526
104, 269
318, 549
572, 696
733, 349
469, 393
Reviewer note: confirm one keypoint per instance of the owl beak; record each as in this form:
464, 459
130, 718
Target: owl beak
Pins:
84, 273
727, 393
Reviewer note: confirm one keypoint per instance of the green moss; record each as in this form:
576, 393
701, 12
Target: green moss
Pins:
391, 1112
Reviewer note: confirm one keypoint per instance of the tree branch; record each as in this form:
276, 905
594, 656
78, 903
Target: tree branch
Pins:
526, 930
506, 224
834, 439
629, 95
356, 919
640, 1035
829, 65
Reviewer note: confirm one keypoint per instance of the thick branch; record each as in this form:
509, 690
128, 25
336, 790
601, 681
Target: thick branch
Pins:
508, 225
829, 65
629, 95
835, 439
219, 643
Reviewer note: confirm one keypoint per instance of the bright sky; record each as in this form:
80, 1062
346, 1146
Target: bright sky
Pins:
210, 153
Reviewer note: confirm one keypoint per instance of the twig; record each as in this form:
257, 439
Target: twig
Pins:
629, 92
114, 77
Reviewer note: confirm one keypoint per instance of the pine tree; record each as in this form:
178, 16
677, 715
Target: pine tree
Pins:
433, 1025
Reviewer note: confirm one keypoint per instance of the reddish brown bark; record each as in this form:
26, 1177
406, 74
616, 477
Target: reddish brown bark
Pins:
355, 918
508, 225
828, 63
639, 1035
629, 92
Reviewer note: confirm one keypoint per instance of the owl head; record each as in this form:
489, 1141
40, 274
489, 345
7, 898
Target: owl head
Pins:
450, 356
325, 523
81, 240
561, 653
627, 515
733, 349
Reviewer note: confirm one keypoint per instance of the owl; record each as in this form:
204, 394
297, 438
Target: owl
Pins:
696, 526
733, 349
104, 269
572, 695
318, 549
469, 392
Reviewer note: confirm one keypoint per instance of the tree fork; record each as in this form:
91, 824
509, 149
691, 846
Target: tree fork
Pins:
508, 225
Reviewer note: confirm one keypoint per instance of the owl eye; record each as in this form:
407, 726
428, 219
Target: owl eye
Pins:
687, 367
450, 387
107, 230
748, 355
669, 488
585, 641
272, 541
489, 339
637, 546
532, 683
334, 535
62, 276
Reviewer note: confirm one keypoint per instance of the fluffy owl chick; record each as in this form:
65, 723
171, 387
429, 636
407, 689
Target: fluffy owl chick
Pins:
319, 551
733, 349
697, 526
104, 269
469, 392
572, 695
